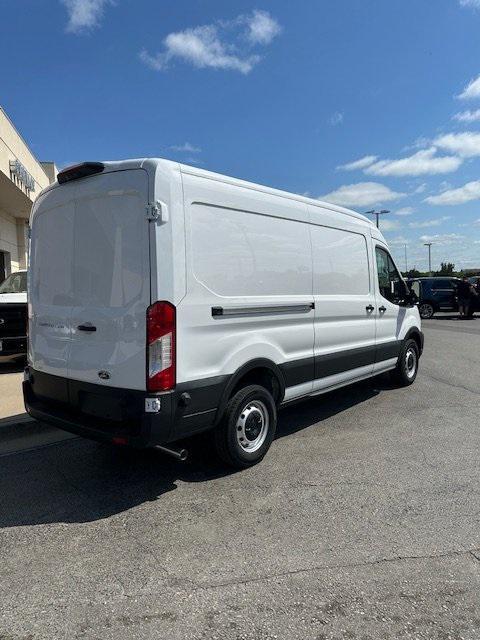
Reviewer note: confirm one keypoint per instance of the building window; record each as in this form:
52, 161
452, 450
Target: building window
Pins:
4, 265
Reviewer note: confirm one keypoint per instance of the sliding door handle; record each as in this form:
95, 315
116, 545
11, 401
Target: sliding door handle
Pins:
86, 327
370, 308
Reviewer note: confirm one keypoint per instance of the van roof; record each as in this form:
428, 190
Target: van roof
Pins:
279, 192
150, 163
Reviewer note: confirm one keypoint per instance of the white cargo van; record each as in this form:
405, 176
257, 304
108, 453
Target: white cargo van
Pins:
166, 300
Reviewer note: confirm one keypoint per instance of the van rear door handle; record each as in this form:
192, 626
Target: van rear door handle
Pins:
370, 308
86, 327
382, 309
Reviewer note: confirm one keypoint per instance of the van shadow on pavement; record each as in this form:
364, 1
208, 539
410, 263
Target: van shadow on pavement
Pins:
82, 481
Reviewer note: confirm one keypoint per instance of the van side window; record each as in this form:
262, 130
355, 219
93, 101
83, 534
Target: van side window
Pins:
340, 262
389, 281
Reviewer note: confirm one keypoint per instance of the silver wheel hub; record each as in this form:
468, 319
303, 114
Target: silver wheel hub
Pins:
252, 426
411, 362
426, 310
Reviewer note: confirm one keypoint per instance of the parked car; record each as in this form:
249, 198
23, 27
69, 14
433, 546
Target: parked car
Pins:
167, 300
435, 294
475, 280
13, 316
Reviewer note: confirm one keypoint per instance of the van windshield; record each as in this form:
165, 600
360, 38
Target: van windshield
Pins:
15, 283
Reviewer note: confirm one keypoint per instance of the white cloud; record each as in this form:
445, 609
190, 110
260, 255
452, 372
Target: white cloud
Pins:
388, 225
262, 28
202, 47
472, 90
467, 193
421, 188
405, 211
361, 194
466, 144
421, 163
84, 15
429, 223
207, 46
398, 241
475, 4
467, 116
443, 239
362, 163
336, 118
445, 186
186, 147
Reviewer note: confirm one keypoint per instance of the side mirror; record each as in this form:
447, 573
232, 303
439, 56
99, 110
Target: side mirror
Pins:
403, 293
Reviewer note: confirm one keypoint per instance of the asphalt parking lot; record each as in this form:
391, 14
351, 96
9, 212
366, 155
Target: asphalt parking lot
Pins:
362, 522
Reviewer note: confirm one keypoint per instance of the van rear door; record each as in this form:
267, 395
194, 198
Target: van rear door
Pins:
111, 280
50, 282
103, 253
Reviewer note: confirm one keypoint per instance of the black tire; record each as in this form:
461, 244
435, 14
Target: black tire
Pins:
407, 366
426, 310
250, 409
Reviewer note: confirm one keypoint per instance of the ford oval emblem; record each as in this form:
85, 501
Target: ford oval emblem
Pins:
104, 375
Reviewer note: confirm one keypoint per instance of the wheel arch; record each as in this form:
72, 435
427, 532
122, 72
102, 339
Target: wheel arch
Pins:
414, 333
258, 371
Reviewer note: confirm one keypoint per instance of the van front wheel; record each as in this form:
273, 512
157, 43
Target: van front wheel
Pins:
407, 366
247, 428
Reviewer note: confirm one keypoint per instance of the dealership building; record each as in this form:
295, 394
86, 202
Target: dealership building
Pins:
22, 177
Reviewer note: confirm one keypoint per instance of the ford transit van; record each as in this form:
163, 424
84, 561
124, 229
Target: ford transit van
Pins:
166, 300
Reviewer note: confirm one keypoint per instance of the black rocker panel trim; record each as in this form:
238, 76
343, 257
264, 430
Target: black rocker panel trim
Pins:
102, 413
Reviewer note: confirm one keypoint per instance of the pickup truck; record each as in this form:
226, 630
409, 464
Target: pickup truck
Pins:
13, 316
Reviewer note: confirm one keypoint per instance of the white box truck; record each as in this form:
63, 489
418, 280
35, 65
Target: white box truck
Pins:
166, 300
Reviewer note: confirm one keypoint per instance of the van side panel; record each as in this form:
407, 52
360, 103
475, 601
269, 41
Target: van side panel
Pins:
249, 283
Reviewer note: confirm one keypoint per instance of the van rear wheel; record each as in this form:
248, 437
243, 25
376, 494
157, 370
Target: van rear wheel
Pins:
247, 428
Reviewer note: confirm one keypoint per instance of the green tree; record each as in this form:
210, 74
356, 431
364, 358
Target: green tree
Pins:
446, 269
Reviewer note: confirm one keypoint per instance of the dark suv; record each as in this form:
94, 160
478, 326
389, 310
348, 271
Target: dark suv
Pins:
435, 294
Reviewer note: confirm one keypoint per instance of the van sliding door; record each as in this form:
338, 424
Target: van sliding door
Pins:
344, 306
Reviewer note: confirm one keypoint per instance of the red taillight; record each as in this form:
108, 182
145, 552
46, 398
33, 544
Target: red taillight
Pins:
161, 346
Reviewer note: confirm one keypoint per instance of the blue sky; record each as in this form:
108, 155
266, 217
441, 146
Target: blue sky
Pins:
370, 103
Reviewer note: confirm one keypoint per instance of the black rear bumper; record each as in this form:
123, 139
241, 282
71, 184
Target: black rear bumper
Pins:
11, 347
118, 415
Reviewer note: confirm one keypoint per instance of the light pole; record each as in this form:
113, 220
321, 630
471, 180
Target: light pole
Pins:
376, 214
406, 261
429, 245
